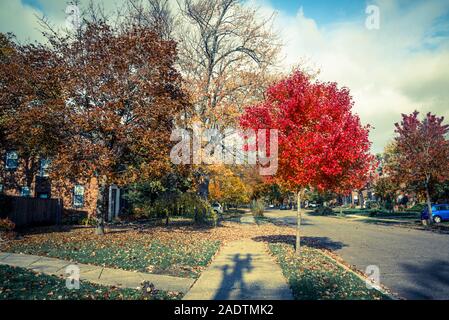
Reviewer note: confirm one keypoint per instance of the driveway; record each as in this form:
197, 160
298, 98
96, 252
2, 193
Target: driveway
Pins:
413, 263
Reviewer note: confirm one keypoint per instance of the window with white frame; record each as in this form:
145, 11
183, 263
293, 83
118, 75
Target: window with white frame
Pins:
78, 196
25, 192
12, 160
44, 168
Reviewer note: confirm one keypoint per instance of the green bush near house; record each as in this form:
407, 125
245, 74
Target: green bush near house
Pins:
419, 207
258, 208
324, 211
74, 217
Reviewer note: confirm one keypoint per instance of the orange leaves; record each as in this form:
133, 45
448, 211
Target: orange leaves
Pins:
123, 97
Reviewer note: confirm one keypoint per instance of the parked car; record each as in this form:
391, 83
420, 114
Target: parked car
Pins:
283, 207
312, 205
217, 208
440, 213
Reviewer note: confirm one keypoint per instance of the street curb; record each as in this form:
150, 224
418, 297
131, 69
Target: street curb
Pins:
358, 275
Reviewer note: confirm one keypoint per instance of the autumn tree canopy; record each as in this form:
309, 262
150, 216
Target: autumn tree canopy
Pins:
31, 105
422, 153
322, 144
228, 188
100, 101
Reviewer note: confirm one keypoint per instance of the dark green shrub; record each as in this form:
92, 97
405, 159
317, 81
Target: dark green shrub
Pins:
258, 208
74, 217
324, 211
417, 207
371, 204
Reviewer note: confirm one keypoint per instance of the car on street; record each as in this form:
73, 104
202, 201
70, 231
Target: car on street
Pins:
440, 213
217, 208
312, 205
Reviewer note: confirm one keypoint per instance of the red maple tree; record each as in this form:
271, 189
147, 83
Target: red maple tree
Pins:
322, 145
422, 153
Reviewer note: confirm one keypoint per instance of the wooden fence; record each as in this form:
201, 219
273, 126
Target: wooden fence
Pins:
32, 211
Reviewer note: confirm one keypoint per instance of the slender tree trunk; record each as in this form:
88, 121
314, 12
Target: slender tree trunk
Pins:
101, 207
361, 200
429, 206
298, 225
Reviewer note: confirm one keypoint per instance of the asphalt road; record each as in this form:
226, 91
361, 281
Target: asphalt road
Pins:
413, 263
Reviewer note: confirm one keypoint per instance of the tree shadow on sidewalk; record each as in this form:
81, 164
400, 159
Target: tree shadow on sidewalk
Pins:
233, 277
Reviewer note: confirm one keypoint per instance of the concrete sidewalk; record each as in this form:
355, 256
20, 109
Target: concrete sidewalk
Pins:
95, 274
243, 270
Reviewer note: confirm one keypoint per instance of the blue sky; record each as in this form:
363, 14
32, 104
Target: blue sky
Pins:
324, 12
33, 3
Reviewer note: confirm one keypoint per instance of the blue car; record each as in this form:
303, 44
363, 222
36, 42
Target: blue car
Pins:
440, 213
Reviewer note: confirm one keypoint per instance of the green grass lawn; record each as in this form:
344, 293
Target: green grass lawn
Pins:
314, 276
21, 284
159, 253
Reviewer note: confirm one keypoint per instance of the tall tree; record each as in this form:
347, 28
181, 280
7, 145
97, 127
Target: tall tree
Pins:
124, 96
226, 51
423, 153
226, 54
31, 106
322, 145
155, 14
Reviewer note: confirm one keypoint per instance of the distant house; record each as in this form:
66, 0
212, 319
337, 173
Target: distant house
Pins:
78, 196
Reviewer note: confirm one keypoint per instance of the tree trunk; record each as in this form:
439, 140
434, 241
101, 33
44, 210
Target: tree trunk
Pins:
100, 211
361, 200
298, 224
429, 206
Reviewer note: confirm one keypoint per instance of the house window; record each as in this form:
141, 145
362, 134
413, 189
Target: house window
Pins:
25, 192
78, 196
44, 168
12, 160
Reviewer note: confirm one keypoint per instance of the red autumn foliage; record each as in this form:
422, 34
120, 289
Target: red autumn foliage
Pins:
322, 145
422, 152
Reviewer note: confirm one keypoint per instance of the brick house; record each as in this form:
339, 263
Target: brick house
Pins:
77, 196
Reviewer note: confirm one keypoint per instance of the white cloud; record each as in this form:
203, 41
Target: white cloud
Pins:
20, 18
390, 71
